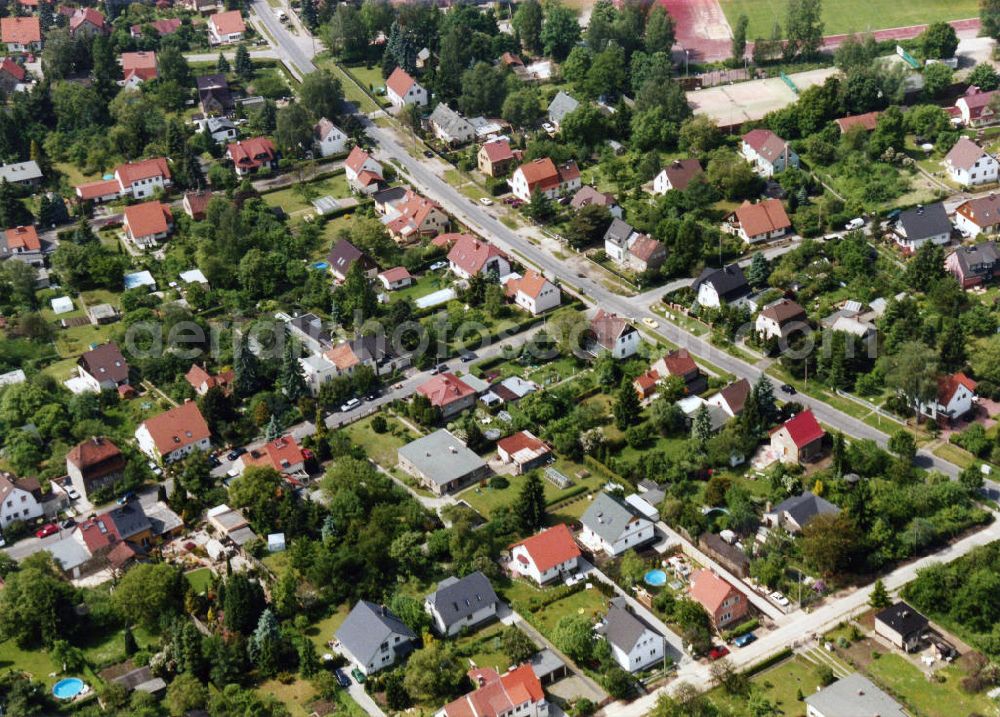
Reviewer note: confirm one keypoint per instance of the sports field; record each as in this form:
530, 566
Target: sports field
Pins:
845, 16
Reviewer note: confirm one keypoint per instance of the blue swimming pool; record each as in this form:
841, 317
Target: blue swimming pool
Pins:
321, 266
657, 578
68, 689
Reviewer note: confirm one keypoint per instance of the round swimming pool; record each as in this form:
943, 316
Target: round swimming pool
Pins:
657, 578
68, 689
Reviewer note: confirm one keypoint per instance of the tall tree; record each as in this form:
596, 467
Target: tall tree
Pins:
912, 372
243, 603
291, 378
701, 426
530, 505
803, 28
244, 65
247, 368
660, 33
626, 408
321, 94
527, 24
222, 64
739, 43
989, 17
560, 31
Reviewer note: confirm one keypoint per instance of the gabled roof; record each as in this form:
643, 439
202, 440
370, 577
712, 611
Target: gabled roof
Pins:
228, 23
540, 173
803, 428
198, 201
197, 376
139, 64
561, 105
680, 172
553, 546
215, 81
783, 311
766, 144
456, 599
451, 122
95, 190
964, 154
735, 394
397, 273
497, 695
803, 508
854, 696
367, 626
729, 282
471, 254
20, 30
763, 217
96, 452
869, 121
976, 100
400, 82
618, 232
922, 222
324, 127
343, 255
12, 68
23, 238
679, 363
86, 15
531, 284
948, 386
252, 153
523, 446
129, 519
903, 619
356, 159
983, 254
181, 426
132, 172
281, 454
608, 517
498, 150
645, 247
608, 327
622, 627
105, 363
984, 211
444, 389
148, 219
588, 195
709, 590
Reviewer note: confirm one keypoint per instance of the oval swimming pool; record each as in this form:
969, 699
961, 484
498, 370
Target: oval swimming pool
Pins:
68, 689
657, 578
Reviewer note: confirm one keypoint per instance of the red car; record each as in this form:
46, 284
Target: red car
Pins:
717, 653
47, 530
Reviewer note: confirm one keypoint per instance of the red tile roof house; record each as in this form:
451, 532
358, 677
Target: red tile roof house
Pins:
646, 254
799, 439
395, 278
724, 604
249, 155
676, 175
21, 34
11, 75
416, 217
147, 224
680, 363
471, 255
547, 556
974, 107
587, 195
226, 27
980, 215
136, 180
533, 292
87, 22
174, 434
283, 454
449, 393
868, 121
160, 27
956, 399
780, 319
138, 67
103, 368
543, 175
201, 380
496, 158
23, 243
758, 222
767, 152
518, 692
525, 450
732, 398
195, 204
973, 265
610, 332
402, 90
363, 173
94, 464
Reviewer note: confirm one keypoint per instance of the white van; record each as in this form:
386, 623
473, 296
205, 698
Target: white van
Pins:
350, 405
855, 223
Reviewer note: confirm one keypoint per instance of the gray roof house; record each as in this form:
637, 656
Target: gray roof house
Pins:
793, 513
451, 127
921, 224
560, 106
21, 173
612, 526
901, 625
441, 462
460, 603
634, 643
853, 696
373, 638
715, 286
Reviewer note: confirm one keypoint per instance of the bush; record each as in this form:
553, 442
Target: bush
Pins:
741, 629
379, 424
499, 482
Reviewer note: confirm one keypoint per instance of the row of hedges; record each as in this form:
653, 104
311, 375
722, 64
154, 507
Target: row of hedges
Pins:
741, 629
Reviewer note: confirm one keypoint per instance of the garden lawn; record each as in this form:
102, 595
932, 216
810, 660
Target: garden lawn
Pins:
322, 632
430, 282
299, 198
199, 579
109, 649
930, 699
352, 93
847, 16
780, 684
37, 663
589, 603
380, 447
483, 648
74, 341
485, 500
295, 695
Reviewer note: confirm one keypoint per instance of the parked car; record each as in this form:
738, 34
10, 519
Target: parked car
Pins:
235, 453
127, 496
718, 652
342, 678
429, 154
744, 640
358, 675
442, 368
485, 201
651, 323
788, 388
438, 265
213, 460
68, 523
780, 599
468, 356
548, 127
72, 493
855, 223
47, 530
350, 405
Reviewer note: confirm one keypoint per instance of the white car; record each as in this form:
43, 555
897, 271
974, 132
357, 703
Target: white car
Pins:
855, 223
780, 599
485, 201
548, 127
438, 265
350, 405
73, 495
651, 323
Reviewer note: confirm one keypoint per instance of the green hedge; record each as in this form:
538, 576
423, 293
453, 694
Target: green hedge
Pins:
769, 662
741, 629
